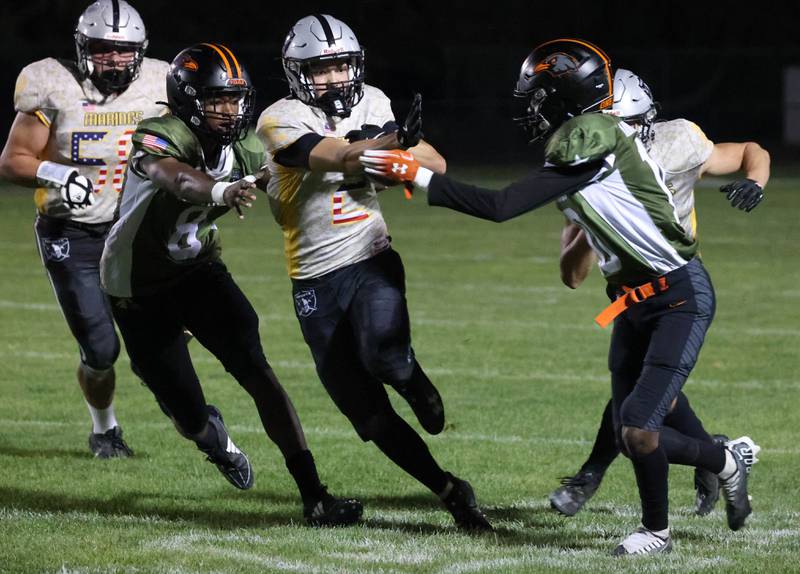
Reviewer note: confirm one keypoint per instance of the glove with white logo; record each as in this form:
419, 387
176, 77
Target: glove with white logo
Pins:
77, 192
390, 167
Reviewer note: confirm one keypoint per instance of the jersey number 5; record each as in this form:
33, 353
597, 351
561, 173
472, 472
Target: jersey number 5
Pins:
116, 168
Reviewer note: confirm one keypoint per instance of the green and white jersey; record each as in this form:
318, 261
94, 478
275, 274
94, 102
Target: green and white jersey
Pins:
627, 210
328, 219
681, 148
158, 237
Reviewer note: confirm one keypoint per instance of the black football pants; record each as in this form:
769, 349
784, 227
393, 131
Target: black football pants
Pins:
70, 252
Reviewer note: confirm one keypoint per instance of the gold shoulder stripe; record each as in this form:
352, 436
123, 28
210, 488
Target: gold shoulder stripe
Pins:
42, 118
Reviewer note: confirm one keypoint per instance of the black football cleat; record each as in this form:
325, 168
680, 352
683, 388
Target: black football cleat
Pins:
461, 503
575, 491
231, 462
425, 401
109, 444
706, 485
737, 501
332, 511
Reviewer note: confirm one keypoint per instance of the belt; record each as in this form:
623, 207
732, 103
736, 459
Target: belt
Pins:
630, 296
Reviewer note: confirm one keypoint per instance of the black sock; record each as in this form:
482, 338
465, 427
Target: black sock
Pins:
605, 448
681, 449
406, 449
652, 477
304, 472
683, 419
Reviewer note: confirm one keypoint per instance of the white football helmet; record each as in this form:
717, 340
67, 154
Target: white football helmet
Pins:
318, 39
104, 26
633, 102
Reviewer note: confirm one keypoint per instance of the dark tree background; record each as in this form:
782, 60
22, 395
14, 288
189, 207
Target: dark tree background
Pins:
721, 64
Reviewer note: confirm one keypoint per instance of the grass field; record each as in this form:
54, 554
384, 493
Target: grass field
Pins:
522, 370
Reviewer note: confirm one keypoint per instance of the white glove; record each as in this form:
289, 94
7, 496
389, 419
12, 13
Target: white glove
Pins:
76, 190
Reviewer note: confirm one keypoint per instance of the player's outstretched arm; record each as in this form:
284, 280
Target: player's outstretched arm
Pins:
749, 157
194, 186
576, 257
539, 187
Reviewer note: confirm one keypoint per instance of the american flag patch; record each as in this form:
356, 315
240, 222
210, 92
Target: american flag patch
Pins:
154, 142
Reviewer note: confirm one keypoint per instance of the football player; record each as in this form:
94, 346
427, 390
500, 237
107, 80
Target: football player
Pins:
162, 269
685, 154
70, 140
598, 170
348, 283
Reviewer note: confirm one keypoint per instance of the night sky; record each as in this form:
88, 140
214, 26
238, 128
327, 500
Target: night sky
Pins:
720, 64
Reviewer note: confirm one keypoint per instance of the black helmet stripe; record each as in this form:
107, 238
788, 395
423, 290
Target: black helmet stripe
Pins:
326, 27
115, 9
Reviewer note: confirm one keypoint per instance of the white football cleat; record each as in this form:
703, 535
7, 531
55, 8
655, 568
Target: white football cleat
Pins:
644, 541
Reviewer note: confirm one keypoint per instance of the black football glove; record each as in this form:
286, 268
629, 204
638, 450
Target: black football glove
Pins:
409, 134
367, 132
745, 194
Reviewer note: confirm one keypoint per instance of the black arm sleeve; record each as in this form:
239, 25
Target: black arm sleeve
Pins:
296, 155
532, 191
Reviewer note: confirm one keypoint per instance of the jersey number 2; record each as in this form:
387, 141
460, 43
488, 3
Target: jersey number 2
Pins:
341, 214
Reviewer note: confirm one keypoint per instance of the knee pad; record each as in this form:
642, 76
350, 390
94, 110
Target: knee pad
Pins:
246, 363
392, 366
101, 352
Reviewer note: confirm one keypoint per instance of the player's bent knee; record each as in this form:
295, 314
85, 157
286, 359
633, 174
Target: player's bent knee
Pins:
375, 426
391, 368
639, 442
101, 356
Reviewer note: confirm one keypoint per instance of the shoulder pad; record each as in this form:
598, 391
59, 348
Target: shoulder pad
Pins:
36, 82
283, 123
583, 139
680, 145
379, 106
167, 136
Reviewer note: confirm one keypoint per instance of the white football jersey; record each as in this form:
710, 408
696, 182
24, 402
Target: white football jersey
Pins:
681, 148
329, 220
88, 130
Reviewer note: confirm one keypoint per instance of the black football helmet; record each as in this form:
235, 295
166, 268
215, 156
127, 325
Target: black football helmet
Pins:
562, 79
205, 72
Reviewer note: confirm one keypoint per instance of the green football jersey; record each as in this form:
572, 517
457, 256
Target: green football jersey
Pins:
627, 210
158, 237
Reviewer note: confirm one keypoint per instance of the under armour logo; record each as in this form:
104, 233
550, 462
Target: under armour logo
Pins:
400, 168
